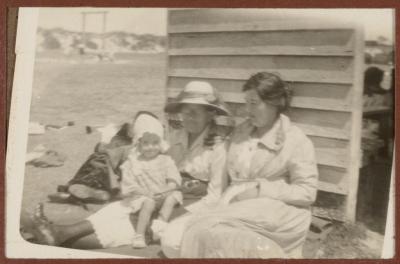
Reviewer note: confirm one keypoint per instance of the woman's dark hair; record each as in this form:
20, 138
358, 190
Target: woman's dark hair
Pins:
270, 87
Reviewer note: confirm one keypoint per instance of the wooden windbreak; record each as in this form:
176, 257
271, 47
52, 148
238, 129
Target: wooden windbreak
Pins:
321, 62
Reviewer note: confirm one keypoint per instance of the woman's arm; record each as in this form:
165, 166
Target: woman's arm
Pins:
303, 178
218, 173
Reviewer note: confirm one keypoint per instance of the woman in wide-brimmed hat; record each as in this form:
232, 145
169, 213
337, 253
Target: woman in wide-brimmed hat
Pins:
199, 156
197, 105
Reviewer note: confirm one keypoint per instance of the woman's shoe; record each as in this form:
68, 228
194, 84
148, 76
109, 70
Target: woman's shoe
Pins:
138, 241
88, 194
42, 228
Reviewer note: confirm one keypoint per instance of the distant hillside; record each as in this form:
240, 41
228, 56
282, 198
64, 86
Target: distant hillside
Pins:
116, 41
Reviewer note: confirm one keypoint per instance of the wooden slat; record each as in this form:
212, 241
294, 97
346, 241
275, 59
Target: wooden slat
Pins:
243, 74
275, 42
289, 17
300, 102
319, 90
329, 187
310, 130
313, 130
332, 157
328, 93
331, 153
297, 101
334, 64
333, 179
219, 15
271, 50
255, 26
321, 104
318, 122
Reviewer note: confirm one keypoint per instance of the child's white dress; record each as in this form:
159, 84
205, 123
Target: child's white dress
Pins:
112, 224
149, 176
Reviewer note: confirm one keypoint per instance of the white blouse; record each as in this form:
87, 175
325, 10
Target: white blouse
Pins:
283, 161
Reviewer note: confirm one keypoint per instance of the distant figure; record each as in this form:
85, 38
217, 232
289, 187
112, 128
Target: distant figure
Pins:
373, 78
100, 54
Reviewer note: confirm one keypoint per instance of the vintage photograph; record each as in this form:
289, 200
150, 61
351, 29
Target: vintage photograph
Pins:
211, 132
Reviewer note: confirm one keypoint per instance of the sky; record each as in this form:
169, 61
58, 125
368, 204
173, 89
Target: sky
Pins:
377, 22
136, 20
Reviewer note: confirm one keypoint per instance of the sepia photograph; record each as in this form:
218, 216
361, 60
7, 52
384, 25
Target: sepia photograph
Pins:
203, 133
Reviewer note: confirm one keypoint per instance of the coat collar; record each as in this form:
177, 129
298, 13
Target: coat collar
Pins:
275, 137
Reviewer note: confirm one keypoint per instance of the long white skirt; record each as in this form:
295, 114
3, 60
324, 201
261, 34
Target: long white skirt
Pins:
272, 226
112, 225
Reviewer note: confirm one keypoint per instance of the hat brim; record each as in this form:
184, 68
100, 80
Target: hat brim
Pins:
174, 107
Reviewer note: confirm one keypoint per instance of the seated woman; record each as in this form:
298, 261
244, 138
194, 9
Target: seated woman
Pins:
195, 158
265, 212
195, 147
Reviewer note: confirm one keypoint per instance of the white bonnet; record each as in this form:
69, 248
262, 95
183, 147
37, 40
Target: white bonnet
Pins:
145, 122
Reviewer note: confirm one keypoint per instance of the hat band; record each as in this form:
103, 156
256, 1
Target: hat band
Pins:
210, 98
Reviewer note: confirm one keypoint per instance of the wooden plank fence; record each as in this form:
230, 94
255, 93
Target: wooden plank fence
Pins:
321, 61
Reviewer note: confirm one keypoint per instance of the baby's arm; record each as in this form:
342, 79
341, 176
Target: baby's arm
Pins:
173, 178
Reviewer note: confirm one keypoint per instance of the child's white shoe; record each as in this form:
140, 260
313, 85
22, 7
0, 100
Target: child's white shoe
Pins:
138, 241
158, 227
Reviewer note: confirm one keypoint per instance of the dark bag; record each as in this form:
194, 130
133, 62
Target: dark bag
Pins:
97, 173
194, 193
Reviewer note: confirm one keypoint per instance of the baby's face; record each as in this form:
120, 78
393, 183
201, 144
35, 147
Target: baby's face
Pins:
150, 145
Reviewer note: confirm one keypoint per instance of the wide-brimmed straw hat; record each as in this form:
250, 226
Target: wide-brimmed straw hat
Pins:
200, 93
